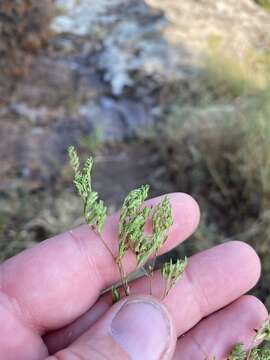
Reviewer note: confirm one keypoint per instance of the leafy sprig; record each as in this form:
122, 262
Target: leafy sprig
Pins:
95, 212
172, 272
132, 222
162, 222
255, 353
238, 352
263, 334
134, 217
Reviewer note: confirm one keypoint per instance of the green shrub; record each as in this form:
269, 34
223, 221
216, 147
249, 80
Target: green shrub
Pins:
227, 76
221, 155
264, 3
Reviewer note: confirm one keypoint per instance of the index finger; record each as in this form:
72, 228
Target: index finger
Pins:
58, 280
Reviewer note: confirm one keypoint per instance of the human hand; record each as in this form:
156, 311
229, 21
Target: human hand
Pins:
51, 302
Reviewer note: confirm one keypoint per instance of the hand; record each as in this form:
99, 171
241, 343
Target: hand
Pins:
51, 302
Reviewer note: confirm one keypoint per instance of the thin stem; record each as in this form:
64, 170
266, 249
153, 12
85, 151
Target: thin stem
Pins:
151, 272
250, 349
123, 277
119, 264
253, 343
150, 286
166, 291
105, 244
251, 346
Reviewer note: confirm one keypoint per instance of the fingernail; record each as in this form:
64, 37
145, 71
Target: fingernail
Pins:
142, 329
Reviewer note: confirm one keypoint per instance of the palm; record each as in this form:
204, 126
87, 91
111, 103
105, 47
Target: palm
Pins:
50, 294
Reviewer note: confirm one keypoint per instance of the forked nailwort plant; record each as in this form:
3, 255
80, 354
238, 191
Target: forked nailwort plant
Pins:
134, 216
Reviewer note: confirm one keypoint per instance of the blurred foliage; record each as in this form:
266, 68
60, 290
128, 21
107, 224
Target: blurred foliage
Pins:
29, 217
226, 76
24, 28
218, 150
264, 3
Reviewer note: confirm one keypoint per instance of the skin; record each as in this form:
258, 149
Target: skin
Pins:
50, 295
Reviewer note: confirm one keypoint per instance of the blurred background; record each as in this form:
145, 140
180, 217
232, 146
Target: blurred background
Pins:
171, 93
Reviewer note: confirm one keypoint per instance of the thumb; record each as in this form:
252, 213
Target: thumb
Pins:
135, 328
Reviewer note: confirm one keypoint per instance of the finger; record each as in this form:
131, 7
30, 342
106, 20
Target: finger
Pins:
135, 328
213, 279
215, 336
69, 271
16, 340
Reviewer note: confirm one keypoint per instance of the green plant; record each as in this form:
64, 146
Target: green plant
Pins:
134, 215
220, 154
227, 76
172, 273
255, 353
264, 3
238, 352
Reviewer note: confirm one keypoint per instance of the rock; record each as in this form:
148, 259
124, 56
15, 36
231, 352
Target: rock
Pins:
50, 83
118, 84
132, 52
116, 120
81, 17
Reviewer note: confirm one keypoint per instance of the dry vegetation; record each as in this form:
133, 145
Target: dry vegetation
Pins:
24, 28
219, 151
264, 3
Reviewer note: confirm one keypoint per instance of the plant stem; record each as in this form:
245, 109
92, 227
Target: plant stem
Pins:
249, 352
150, 282
151, 272
123, 276
105, 244
119, 264
165, 292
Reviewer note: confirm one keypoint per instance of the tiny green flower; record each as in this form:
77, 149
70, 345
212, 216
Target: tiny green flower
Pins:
172, 272
74, 159
134, 216
131, 206
132, 221
162, 222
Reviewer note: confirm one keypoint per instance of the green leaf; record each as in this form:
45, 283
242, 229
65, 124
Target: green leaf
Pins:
74, 159
238, 352
132, 205
172, 272
132, 222
95, 212
162, 218
115, 295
